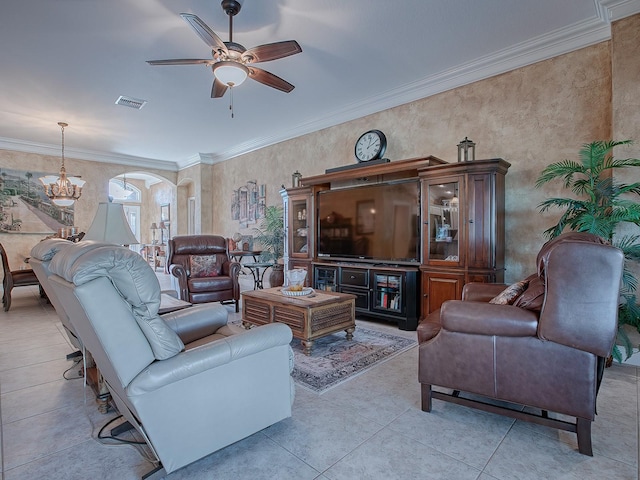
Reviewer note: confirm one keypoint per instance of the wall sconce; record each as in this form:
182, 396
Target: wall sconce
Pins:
466, 150
295, 178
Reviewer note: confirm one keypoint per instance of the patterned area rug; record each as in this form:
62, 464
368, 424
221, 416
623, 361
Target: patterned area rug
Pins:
334, 359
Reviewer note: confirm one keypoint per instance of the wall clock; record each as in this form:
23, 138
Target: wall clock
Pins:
370, 146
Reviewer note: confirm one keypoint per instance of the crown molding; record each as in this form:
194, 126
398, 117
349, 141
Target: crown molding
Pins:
129, 160
613, 10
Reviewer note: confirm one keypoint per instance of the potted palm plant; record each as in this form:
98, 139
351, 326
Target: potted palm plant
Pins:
602, 205
270, 235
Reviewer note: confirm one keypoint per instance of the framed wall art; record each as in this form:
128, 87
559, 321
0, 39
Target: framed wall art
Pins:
24, 207
165, 213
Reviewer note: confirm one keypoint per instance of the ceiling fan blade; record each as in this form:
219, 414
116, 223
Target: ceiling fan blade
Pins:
218, 89
270, 79
271, 51
180, 61
204, 32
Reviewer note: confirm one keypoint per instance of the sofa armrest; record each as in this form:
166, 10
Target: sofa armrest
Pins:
481, 292
215, 354
196, 322
180, 273
481, 318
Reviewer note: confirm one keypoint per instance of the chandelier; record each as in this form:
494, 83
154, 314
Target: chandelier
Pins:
62, 190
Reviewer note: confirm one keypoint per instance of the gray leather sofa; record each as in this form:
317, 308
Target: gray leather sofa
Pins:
185, 381
543, 348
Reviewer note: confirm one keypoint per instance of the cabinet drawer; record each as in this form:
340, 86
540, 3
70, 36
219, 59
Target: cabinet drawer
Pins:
362, 297
357, 278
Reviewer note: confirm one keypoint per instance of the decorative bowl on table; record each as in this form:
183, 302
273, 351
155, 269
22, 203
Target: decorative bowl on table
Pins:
296, 293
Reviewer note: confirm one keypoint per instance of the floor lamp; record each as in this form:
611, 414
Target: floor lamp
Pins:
110, 226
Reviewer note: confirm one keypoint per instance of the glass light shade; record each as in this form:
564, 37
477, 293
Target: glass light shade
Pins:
63, 202
230, 73
62, 190
110, 226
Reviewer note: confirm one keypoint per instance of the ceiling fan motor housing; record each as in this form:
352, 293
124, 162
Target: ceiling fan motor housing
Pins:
231, 7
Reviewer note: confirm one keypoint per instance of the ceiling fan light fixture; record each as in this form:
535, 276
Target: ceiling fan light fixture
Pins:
230, 73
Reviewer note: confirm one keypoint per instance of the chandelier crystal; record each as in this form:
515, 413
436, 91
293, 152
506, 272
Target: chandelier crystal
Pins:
62, 190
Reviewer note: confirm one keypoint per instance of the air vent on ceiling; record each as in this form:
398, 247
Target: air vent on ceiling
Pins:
131, 102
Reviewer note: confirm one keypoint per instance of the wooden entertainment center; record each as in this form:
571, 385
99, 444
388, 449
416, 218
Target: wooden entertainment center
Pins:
461, 235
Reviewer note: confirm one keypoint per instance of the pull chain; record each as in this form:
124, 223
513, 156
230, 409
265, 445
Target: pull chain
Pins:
231, 101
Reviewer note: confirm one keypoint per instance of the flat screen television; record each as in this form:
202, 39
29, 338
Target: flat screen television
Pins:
378, 222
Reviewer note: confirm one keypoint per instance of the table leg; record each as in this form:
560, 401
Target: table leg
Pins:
308, 345
258, 278
350, 331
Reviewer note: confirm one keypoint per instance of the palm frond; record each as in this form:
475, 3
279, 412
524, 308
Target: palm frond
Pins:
612, 163
566, 169
629, 246
623, 339
270, 235
623, 188
569, 203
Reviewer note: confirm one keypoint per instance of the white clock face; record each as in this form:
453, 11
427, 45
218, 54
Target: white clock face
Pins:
368, 146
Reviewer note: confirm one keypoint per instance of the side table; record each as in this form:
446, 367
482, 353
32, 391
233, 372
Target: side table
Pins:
255, 271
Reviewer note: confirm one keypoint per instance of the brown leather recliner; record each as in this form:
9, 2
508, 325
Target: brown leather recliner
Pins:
215, 283
547, 353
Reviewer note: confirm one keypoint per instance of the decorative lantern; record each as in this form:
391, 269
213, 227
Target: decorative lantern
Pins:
466, 150
295, 178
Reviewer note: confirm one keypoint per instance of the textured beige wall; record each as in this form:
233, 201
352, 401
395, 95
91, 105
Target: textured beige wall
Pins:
189, 185
625, 36
530, 117
96, 190
626, 84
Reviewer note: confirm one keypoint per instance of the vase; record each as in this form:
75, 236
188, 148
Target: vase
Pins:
276, 278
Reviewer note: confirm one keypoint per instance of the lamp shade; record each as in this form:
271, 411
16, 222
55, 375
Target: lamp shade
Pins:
110, 226
230, 73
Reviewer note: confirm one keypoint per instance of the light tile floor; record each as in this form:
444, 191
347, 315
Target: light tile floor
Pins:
370, 427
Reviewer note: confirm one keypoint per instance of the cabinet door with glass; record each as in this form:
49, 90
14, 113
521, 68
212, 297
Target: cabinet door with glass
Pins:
300, 218
326, 278
442, 235
388, 291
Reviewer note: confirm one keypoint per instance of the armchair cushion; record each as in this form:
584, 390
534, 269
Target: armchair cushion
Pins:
205, 265
533, 297
210, 284
509, 294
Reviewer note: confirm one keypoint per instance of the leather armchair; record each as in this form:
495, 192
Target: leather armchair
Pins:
547, 353
200, 289
186, 381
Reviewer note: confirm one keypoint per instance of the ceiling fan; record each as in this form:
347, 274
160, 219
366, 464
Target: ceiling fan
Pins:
231, 62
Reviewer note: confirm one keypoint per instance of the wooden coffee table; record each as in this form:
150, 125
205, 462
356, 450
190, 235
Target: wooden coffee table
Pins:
309, 317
